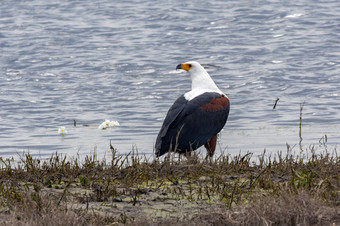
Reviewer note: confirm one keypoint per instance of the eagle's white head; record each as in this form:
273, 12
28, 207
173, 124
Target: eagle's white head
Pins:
201, 80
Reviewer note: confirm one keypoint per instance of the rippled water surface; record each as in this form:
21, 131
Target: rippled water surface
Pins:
89, 61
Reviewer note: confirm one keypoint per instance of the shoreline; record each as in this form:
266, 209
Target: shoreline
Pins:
133, 190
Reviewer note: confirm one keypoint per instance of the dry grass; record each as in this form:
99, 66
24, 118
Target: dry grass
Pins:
232, 190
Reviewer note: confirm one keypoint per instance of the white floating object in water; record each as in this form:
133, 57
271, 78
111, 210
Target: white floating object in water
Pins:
114, 123
108, 124
62, 130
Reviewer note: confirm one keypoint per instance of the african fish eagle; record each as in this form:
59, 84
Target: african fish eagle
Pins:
196, 117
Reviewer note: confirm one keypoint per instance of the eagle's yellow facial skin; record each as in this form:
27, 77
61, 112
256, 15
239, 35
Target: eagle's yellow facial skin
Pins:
186, 67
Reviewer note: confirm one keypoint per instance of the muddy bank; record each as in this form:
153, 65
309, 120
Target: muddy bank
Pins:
130, 190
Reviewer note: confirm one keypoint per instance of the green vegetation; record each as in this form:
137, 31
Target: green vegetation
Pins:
232, 190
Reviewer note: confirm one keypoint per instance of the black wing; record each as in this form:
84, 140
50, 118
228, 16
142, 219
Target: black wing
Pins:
190, 124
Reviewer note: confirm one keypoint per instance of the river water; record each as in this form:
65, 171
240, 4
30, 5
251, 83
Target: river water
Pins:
89, 61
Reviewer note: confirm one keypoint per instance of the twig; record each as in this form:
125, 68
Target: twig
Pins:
277, 100
300, 127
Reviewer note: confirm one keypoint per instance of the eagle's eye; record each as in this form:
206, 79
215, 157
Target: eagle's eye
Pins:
190, 65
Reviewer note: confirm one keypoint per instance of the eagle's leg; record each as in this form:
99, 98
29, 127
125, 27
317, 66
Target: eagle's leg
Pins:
211, 146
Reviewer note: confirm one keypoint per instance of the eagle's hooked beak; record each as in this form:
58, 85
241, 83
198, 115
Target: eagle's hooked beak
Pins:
184, 66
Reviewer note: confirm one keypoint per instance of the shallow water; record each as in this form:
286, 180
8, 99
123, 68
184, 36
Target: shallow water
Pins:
89, 61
